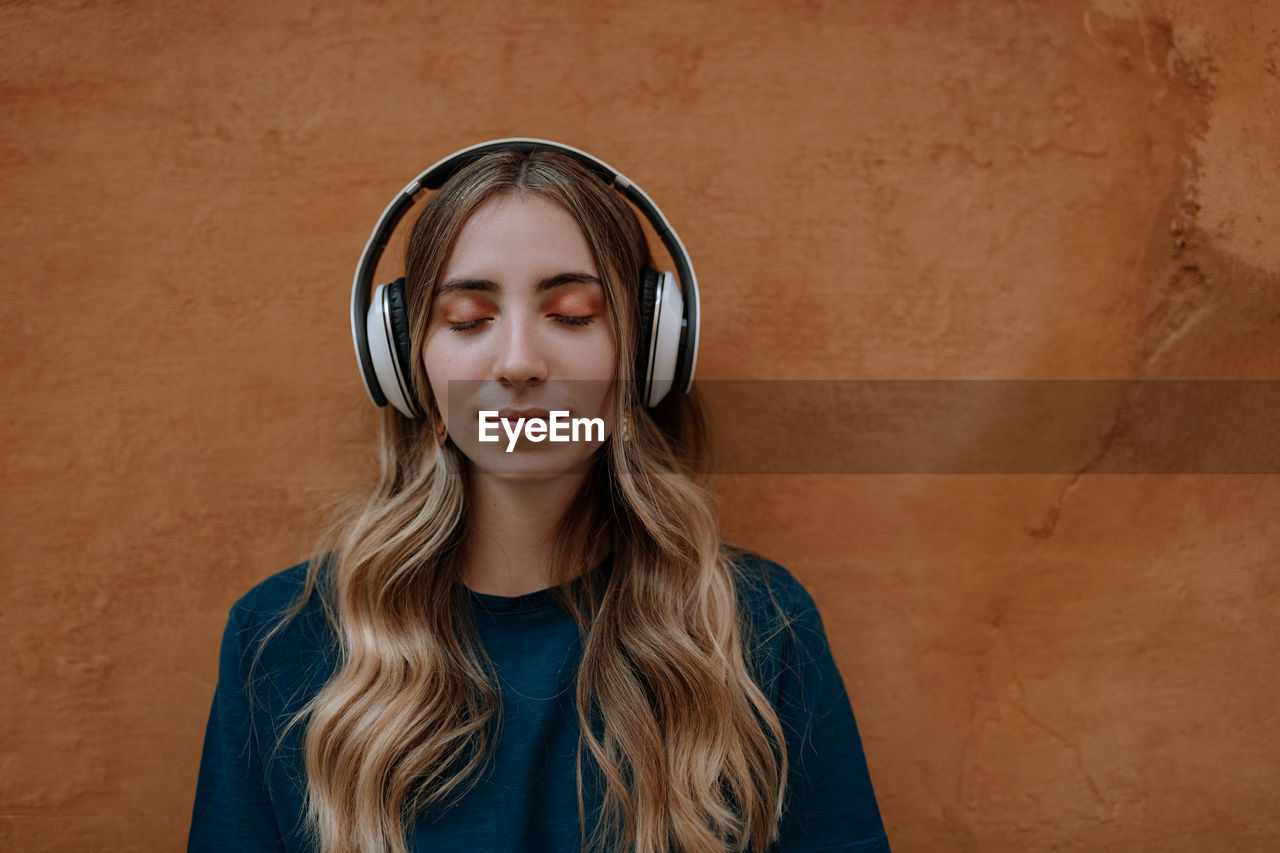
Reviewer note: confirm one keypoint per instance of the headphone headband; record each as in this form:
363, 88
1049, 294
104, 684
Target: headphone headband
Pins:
437, 174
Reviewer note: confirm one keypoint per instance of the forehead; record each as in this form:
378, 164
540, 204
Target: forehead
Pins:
519, 233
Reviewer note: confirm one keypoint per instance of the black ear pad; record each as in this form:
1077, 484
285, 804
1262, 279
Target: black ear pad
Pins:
647, 304
398, 314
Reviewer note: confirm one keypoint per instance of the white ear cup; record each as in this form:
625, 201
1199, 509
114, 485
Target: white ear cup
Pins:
666, 337
381, 338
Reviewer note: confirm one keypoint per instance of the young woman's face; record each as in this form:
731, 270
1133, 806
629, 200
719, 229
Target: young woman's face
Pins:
519, 323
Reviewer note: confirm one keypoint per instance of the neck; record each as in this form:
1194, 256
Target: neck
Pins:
513, 525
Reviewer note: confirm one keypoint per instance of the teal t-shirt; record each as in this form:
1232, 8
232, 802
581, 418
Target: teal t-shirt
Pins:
526, 798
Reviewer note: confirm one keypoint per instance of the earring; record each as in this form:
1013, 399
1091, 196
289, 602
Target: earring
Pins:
626, 427
442, 430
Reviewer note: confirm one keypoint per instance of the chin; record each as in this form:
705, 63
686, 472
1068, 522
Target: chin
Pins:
533, 465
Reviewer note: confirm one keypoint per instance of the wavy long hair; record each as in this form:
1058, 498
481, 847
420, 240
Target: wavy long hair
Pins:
691, 752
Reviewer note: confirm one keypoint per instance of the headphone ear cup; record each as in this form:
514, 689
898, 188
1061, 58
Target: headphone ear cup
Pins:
645, 310
399, 320
389, 345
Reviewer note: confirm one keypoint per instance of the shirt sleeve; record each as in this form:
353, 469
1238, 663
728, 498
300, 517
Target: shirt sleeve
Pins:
232, 808
830, 803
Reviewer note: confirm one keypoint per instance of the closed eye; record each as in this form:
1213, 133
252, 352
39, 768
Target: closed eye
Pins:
564, 319
573, 320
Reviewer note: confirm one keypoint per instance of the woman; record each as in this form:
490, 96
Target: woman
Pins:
521, 644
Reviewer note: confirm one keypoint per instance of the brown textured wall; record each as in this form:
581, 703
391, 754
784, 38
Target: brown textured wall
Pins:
875, 189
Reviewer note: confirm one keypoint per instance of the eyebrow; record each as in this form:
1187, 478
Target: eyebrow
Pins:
492, 287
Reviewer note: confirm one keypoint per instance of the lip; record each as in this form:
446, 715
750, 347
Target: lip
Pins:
514, 415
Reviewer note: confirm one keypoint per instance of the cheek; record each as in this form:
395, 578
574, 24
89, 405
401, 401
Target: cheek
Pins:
443, 361
601, 359
607, 349
600, 364
446, 357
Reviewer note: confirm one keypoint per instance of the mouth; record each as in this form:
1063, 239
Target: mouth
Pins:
514, 415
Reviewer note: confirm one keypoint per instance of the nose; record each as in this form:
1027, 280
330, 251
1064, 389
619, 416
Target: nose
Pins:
520, 361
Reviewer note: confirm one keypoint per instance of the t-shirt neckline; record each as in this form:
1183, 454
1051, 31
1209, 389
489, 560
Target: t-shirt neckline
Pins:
530, 601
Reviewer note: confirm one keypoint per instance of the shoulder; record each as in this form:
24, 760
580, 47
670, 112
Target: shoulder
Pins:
274, 615
767, 587
779, 616
276, 594
272, 642
273, 592
831, 804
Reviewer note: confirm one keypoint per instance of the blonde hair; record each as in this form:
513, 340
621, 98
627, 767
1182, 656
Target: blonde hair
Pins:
692, 754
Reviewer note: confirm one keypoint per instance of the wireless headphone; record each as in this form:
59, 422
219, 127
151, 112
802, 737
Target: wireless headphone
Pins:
666, 316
